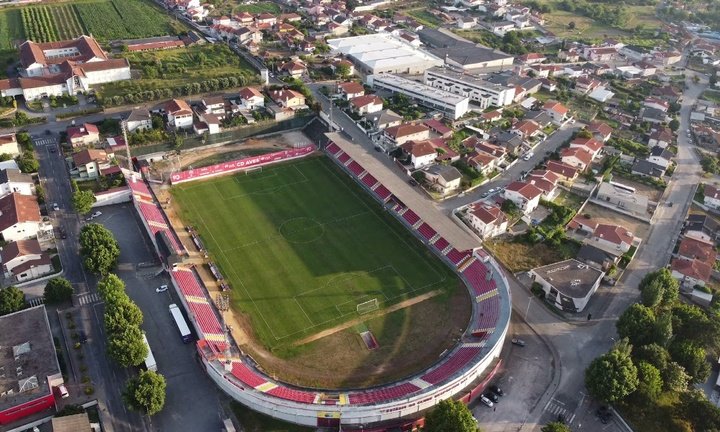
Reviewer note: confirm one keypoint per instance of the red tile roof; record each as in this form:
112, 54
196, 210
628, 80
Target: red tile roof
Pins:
177, 107
437, 126
556, 107
692, 268
693, 248
527, 127
83, 130
526, 189
591, 143
561, 168
351, 87
86, 156
16, 208
88, 48
8, 139
249, 92
487, 213
614, 234
20, 248
601, 128
419, 148
402, 130
365, 100
578, 153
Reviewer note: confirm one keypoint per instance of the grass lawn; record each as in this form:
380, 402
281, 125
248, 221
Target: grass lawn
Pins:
518, 257
255, 422
11, 29
424, 17
176, 67
711, 95
302, 246
569, 199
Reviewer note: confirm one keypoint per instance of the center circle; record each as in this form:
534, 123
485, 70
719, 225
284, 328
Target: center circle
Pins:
301, 230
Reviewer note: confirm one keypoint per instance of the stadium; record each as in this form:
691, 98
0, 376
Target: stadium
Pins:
399, 248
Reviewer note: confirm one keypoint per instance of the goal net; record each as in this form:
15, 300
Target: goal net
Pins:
367, 306
253, 170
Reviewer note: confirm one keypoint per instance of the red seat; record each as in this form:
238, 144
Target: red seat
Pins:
247, 375
355, 168
441, 244
411, 217
343, 158
382, 192
369, 181
451, 365
292, 394
188, 283
426, 231
382, 394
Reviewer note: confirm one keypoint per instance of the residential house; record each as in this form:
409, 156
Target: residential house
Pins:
525, 195
564, 171
557, 111
596, 257
293, 68
83, 135
654, 115
526, 128
443, 178
585, 85
466, 23
179, 114
251, 98
266, 18
114, 145
690, 273
660, 137
491, 116
483, 162
693, 248
9, 145
583, 224
656, 103
702, 227
591, 145
577, 157
661, 156
367, 104
385, 119
487, 220
546, 181
14, 181
711, 196
644, 167
139, 120
623, 197
421, 153
438, 128
600, 54
213, 105
19, 217
614, 239
23, 260
287, 98
532, 58
88, 162
539, 117
510, 141
398, 135
350, 90
207, 123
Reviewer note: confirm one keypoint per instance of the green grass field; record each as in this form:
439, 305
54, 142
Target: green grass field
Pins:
302, 246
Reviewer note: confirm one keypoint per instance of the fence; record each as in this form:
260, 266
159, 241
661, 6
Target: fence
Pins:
195, 141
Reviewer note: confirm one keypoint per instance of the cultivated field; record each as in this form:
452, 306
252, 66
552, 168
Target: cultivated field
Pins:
302, 246
104, 19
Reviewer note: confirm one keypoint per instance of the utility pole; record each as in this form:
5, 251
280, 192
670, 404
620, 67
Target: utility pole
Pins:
123, 126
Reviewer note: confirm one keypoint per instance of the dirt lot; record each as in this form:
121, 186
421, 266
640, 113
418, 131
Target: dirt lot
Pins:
604, 215
652, 193
519, 257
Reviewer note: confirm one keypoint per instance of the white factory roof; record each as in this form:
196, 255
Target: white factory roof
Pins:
417, 88
382, 50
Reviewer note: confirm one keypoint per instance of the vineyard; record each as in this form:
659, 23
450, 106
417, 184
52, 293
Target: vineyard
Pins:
105, 19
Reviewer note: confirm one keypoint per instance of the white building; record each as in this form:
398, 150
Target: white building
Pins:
384, 53
487, 220
712, 196
454, 106
9, 145
19, 217
24, 260
139, 120
422, 153
568, 284
525, 195
251, 98
483, 92
614, 239
12, 180
179, 114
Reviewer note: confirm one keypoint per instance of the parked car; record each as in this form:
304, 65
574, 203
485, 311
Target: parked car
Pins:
497, 390
518, 342
94, 215
55, 207
161, 288
492, 396
486, 401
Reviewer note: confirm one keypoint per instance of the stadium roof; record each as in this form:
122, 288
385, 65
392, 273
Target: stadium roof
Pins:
455, 235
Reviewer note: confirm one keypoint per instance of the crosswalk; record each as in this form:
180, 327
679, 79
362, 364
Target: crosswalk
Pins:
36, 301
89, 298
41, 142
557, 408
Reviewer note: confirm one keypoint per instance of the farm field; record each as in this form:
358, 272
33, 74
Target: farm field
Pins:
302, 246
105, 19
234, 7
169, 69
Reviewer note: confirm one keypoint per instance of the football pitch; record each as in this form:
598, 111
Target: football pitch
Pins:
302, 245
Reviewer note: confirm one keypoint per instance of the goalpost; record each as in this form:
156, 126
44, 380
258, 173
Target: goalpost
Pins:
253, 170
367, 306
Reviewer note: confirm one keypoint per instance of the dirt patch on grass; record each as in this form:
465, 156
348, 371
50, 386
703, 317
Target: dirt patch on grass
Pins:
652, 193
519, 257
410, 340
604, 215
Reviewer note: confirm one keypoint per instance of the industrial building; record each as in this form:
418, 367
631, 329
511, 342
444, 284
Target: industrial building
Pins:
29, 369
465, 55
383, 53
483, 92
454, 106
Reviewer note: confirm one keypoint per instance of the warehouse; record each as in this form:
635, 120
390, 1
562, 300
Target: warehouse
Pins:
483, 92
454, 106
384, 53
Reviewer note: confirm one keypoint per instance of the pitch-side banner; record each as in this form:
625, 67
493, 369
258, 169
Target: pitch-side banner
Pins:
240, 164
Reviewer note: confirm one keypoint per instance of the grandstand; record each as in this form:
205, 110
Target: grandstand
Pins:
461, 368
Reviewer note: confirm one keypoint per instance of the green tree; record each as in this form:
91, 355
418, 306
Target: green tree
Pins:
342, 70
697, 409
450, 416
687, 319
146, 393
27, 163
691, 357
555, 427
654, 354
652, 294
11, 300
58, 290
127, 348
121, 315
110, 285
663, 331
98, 248
510, 208
612, 376
650, 382
584, 133
675, 378
83, 201
674, 124
637, 324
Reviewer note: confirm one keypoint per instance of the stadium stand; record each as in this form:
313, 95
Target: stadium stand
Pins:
188, 283
426, 231
343, 158
355, 168
383, 394
369, 181
411, 217
441, 244
451, 365
292, 394
455, 256
247, 375
476, 277
206, 318
382, 192
333, 149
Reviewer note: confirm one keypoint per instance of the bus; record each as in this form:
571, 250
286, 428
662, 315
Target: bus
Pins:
180, 323
150, 363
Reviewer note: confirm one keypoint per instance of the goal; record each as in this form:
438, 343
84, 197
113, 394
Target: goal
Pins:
367, 306
253, 170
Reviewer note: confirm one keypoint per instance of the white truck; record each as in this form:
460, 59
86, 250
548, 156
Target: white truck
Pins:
150, 363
